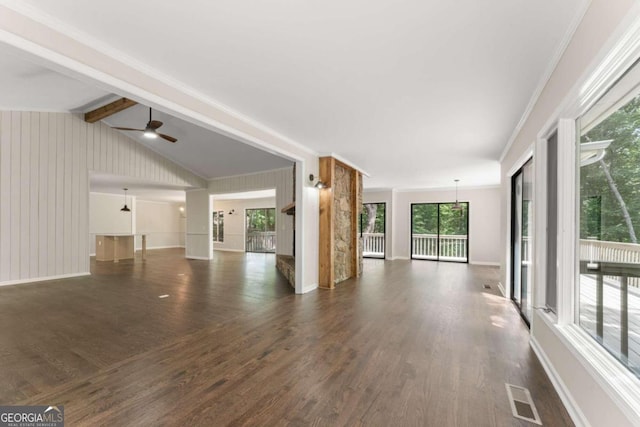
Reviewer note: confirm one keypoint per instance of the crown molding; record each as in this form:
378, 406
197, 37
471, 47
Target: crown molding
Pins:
542, 83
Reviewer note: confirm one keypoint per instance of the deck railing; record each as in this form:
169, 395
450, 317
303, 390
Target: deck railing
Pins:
597, 251
373, 244
452, 247
261, 241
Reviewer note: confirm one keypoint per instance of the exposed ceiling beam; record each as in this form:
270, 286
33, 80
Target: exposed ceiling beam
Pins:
108, 110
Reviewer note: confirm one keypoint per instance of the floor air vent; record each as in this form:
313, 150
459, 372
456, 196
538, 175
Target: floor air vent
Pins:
521, 404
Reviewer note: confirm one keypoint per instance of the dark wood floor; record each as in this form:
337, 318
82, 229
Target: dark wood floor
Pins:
411, 343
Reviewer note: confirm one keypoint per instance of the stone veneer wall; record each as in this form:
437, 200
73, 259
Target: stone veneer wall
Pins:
360, 240
343, 224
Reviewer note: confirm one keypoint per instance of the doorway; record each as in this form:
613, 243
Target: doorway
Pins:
522, 239
372, 229
440, 231
261, 230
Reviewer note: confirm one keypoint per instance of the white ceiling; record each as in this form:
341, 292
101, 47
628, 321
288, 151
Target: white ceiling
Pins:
144, 190
25, 86
203, 152
416, 92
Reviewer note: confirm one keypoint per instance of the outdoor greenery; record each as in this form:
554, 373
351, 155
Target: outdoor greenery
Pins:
261, 219
452, 222
371, 211
610, 188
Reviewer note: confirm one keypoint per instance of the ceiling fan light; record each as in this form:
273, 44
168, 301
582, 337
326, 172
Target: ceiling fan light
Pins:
150, 133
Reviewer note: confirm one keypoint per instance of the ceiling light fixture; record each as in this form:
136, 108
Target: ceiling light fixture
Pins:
150, 132
125, 208
456, 206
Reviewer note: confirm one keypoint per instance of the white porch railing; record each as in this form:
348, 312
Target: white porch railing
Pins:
594, 251
261, 241
452, 247
373, 244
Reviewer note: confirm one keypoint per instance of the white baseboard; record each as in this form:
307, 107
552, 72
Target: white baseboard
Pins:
573, 409
150, 248
309, 288
93, 254
42, 279
227, 250
489, 263
501, 288
204, 258
404, 258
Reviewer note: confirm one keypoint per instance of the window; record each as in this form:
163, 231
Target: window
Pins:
439, 231
551, 294
261, 230
372, 229
218, 226
609, 217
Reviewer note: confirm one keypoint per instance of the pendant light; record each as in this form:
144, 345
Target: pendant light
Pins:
456, 206
125, 208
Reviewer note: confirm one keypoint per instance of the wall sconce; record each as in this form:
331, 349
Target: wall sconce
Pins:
181, 209
232, 211
319, 184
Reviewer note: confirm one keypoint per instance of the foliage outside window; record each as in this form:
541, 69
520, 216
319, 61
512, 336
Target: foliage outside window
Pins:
218, 226
261, 230
609, 209
439, 231
371, 229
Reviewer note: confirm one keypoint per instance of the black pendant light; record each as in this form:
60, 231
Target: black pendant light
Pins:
456, 206
125, 208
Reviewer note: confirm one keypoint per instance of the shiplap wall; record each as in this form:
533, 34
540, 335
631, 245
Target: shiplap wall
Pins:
45, 159
282, 181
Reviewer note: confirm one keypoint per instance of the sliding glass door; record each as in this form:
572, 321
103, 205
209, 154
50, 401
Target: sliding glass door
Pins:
440, 231
522, 239
372, 229
261, 230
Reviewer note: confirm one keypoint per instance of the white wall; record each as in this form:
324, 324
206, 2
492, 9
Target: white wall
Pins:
45, 159
198, 238
235, 225
162, 222
105, 216
282, 181
585, 392
484, 220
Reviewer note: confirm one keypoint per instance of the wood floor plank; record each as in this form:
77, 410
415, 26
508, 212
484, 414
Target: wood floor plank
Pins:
410, 343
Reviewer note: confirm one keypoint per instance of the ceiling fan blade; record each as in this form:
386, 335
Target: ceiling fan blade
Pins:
119, 128
154, 124
167, 137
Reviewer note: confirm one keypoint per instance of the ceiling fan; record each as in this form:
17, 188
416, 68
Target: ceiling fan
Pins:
151, 130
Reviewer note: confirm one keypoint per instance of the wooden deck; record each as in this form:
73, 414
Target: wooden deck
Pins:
410, 343
611, 315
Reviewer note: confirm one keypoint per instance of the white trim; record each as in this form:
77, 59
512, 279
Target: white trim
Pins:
487, 263
418, 190
43, 279
567, 203
287, 168
542, 83
618, 383
204, 258
501, 288
346, 162
150, 248
567, 399
227, 250
309, 288
402, 258
524, 158
540, 223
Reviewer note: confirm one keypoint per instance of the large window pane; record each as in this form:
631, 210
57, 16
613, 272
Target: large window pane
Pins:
372, 229
609, 253
261, 230
439, 231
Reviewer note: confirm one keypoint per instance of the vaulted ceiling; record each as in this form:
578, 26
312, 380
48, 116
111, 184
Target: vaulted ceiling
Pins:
416, 93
